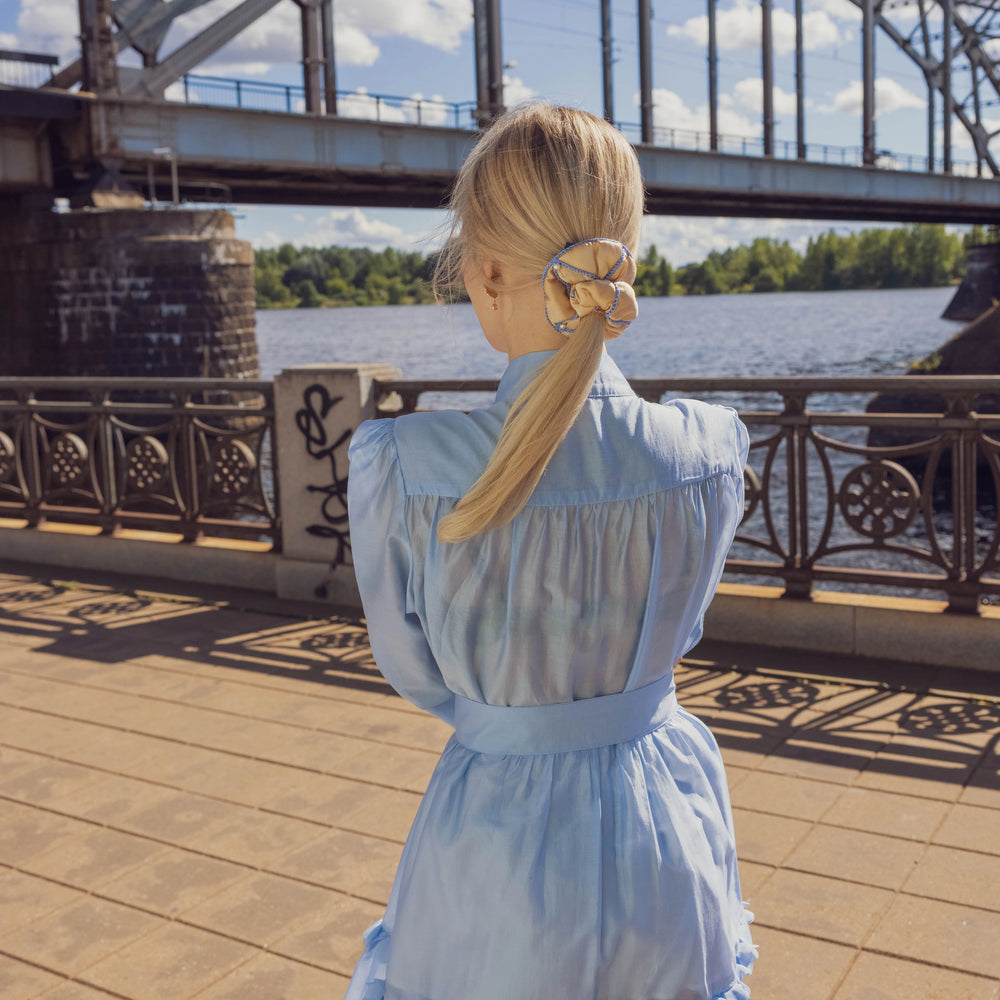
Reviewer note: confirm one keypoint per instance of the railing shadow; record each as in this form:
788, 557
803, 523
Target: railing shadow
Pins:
109, 626
887, 731
875, 724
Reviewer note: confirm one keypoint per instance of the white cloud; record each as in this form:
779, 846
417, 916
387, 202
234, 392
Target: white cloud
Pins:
274, 39
750, 94
350, 227
684, 240
889, 96
739, 27
670, 112
416, 108
51, 26
515, 91
438, 23
270, 239
7, 40
844, 10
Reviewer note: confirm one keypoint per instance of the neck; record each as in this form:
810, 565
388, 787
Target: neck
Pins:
525, 325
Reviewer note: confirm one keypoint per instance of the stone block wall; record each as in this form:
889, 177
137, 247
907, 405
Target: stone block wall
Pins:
126, 292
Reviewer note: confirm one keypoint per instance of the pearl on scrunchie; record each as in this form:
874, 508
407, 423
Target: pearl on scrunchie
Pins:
593, 277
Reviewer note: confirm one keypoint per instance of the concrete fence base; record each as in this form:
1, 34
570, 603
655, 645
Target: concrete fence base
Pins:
905, 629
318, 408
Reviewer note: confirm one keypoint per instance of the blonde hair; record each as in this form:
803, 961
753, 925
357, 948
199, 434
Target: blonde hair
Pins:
541, 178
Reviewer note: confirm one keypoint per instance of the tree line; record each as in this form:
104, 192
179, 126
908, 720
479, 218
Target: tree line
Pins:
916, 256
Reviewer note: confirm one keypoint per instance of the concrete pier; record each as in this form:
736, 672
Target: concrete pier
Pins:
125, 292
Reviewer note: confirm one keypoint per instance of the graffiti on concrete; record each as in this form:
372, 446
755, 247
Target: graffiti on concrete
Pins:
311, 422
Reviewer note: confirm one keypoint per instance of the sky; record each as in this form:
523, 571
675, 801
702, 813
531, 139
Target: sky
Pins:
552, 51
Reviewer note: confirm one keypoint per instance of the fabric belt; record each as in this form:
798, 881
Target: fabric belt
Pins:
574, 725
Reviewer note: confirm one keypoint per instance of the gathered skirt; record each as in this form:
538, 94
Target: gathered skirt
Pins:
607, 872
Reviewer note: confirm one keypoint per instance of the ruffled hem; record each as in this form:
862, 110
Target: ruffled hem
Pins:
368, 981
746, 955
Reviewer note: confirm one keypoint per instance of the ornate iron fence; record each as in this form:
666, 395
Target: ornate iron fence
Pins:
846, 496
194, 457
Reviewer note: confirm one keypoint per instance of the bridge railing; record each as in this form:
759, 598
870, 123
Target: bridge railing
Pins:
25, 69
264, 96
900, 498
190, 457
873, 484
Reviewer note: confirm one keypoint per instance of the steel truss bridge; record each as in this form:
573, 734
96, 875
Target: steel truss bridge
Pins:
99, 132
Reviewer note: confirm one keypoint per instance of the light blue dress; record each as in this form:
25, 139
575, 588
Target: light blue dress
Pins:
575, 841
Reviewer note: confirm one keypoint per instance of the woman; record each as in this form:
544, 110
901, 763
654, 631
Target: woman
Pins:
530, 573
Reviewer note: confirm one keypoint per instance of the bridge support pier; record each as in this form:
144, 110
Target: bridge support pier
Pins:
127, 292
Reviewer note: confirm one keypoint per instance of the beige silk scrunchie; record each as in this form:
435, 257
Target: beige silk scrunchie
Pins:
593, 276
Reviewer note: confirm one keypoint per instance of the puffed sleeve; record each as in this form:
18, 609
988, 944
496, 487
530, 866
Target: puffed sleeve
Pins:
383, 564
721, 513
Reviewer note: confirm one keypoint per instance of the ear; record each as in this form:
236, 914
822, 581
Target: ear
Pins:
491, 272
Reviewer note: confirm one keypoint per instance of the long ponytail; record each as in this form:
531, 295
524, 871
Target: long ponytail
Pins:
537, 422
541, 179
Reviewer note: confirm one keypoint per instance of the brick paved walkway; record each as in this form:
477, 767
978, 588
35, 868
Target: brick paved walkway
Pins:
198, 800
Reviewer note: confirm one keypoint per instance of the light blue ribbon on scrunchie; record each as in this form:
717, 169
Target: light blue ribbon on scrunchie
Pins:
592, 277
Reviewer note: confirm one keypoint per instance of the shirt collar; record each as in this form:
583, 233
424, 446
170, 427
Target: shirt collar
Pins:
608, 382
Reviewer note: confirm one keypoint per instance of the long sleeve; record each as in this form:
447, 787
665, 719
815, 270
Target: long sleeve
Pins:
383, 564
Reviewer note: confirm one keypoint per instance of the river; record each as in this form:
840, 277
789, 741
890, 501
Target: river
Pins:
790, 333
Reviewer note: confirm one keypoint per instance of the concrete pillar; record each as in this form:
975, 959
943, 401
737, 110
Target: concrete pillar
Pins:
135, 293
316, 410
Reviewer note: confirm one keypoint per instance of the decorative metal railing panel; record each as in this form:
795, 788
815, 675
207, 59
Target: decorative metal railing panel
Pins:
194, 456
837, 495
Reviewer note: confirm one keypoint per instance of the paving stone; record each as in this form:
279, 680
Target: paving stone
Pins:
409, 770
104, 749
332, 939
381, 725
971, 827
868, 858
766, 839
752, 878
94, 858
109, 799
26, 831
879, 977
255, 838
793, 967
24, 898
785, 795
883, 812
20, 981
957, 876
260, 908
47, 780
944, 934
819, 906
385, 813
68, 990
983, 788
349, 862
174, 881
324, 798
919, 766
179, 817
270, 977
740, 752
78, 935
174, 961
824, 759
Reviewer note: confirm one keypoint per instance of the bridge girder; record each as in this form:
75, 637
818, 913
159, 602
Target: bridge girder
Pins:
974, 26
